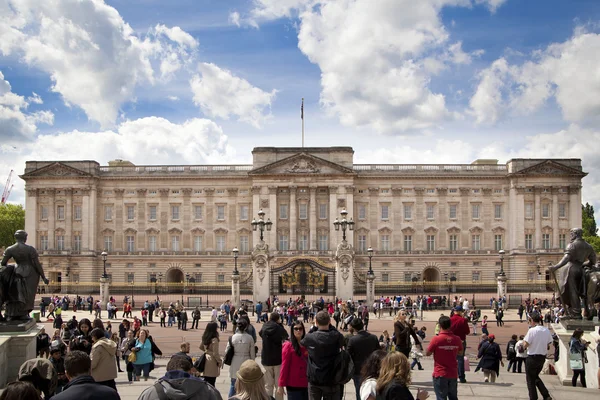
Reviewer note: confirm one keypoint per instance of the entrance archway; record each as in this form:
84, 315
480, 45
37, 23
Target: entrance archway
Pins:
431, 279
302, 277
175, 280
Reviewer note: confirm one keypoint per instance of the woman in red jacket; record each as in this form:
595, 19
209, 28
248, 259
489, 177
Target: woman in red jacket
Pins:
294, 359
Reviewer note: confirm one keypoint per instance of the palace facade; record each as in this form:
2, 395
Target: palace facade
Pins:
424, 222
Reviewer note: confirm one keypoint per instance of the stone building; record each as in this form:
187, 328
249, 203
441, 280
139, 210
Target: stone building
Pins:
426, 223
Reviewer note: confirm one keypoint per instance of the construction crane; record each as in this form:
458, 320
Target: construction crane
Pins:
7, 188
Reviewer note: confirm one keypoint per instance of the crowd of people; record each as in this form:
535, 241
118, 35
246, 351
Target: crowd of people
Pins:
309, 350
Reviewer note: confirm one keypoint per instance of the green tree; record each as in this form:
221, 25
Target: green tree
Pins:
12, 218
594, 241
587, 220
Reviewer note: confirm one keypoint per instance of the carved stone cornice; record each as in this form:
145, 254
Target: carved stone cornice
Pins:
292, 189
442, 191
538, 189
520, 189
487, 191
373, 191
350, 188
119, 193
232, 191
396, 191
334, 189
312, 190
86, 191
464, 191
164, 192
32, 192
255, 189
574, 189
209, 192
273, 189
141, 192
68, 191
419, 191
187, 191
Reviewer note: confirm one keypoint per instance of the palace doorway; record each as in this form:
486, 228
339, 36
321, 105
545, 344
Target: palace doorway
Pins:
303, 277
431, 279
175, 280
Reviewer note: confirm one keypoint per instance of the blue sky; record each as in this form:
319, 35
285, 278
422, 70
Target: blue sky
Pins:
204, 81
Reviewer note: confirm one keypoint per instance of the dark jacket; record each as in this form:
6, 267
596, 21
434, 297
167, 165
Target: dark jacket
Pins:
490, 355
511, 350
273, 336
360, 346
81, 342
181, 385
323, 348
395, 391
402, 334
84, 387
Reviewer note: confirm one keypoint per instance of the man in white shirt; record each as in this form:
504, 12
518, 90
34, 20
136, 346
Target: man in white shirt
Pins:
537, 341
466, 306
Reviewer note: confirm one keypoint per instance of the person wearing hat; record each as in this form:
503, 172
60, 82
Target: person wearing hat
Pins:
250, 383
460, 327
243, 349
490, 357
58, 362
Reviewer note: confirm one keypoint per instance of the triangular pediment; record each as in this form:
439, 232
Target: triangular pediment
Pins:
56, 169
302, 164
550, 167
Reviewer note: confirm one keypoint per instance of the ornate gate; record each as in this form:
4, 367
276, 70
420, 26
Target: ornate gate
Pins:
303, 277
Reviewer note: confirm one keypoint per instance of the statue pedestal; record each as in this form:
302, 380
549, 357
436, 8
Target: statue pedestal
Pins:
501, 285
16, 347
235, 290
104, 291
563, 369
370, 290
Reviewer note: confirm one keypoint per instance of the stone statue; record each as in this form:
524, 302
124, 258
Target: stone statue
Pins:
18, 284
570, 274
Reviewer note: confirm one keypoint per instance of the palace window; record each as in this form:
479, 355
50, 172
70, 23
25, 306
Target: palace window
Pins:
130, 213
152, 213
498, 242
323, 211
198, 212
197, 243
546, 242
323, 243
546, 210
221, 244
107, 213
60, 213
130, 244
529, 241
175, 213
407, 242
221, 213
385, 242
453, 242
243, 213
283, 242
476, 276
303, 242
562, 241
529, 210
44, 242
430, 211
108, 243
452, 211
385, 212
77, 242
362, 211
476, 242
385, 277
430, 242
43, 213
283, 211
244, 244
452, 190
407, 277
152, 243
303, 211
362, 243
408, 211
221, 278
175, 243
130, 277
77, 212
562, 210
498, 211
60, 242
475, 208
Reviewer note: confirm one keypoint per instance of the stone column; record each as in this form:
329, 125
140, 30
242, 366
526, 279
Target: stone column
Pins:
501, 285
465, 218
51, 218
370, 289
260, 273
575, 206
538, 218
255, 208
373, 218
520, 211
293, 218
271, 238
350, 209
235, 291
420, 220
333, 213
344, 277
512, 215
187, 218
104, 291
312, 219
31, 210
442, 218
68, 219
555, 230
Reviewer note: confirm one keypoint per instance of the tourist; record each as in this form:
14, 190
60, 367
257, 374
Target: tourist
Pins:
416, 351
484, 325
521, 354
537, 342
243, 349
127, 344
385, 340
162, 315
196, 317
42, 344
445, 347
223, 321
394, 378
520, 312
483, 339
511, 353
104, 368
123, 329
58, 362
250, 383
490, 357
323, 346
460, 327
210, 346
273, 335
402, 333
143, 355
179, 383
115, 338
499, 316
183, 317
20, 391
81, 340
82, 385
184, 351
577, 348
41, 374
369, 374
294, 359
360, 346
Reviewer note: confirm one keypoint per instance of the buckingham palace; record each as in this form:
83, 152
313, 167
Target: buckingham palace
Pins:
422, 222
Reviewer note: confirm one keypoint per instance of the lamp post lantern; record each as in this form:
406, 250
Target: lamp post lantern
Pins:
343, 223
261, 224
501, 273
370, 253
235, 252
104, 257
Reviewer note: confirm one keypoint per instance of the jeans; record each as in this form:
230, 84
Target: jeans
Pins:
324, 392
139, 368
272, 380
232, 388
297, 393
460, 358
170, 321
445, 388
416, 362
533, 367
357, 381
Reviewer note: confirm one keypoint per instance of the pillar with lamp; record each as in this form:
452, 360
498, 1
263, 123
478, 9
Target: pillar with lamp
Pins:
501, 276
343, 223
370, 298
344, 257
260, 260
104, 281
260, 224
235, 277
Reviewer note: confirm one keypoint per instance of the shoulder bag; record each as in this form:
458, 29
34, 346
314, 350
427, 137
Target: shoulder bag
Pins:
229, 355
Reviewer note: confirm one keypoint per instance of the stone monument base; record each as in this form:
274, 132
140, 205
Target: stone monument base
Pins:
563, 369
17, 345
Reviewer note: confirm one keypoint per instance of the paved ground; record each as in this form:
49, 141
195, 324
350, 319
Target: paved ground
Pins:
508, 386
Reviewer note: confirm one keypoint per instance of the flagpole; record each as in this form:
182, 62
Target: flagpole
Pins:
302, 116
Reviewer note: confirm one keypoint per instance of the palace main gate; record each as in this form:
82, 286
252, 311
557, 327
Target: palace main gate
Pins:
303, 277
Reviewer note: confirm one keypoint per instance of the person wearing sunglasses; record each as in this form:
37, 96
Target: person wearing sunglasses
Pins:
402, 332
294, 359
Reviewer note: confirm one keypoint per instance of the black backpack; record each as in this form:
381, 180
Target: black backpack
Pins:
191, 388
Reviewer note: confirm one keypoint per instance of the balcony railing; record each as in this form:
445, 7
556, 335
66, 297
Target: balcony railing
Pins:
491, 169
174, 169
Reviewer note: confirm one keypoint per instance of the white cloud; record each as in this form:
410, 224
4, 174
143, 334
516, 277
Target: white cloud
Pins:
16, 124
92, 56
173, 98
440, 151
221, 94
493, 5
234, 18
35, 98
566, 71
376, 57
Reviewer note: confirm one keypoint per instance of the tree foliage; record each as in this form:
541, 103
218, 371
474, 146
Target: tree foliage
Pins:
587, 220
594, 241
12, 218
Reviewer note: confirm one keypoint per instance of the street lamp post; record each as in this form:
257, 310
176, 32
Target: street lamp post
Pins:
370, 254
501, 252
343, 223
160, 276
501, 276
448, 285
235, 252
104, 257
261, 224
132, 300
